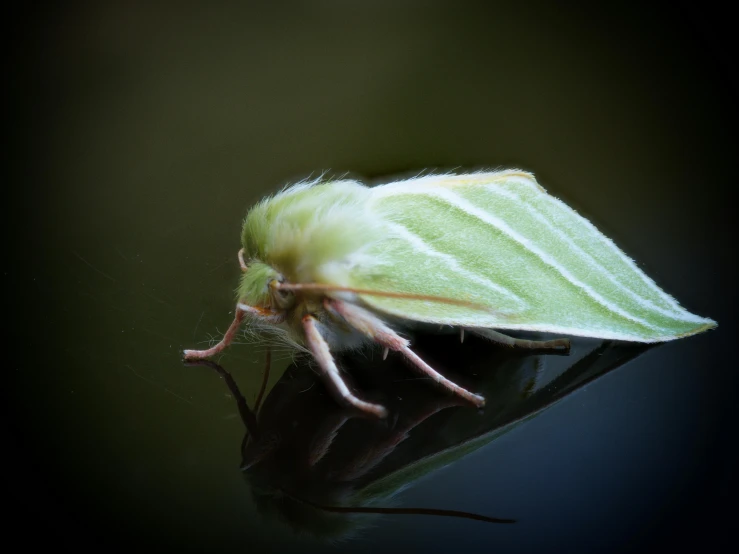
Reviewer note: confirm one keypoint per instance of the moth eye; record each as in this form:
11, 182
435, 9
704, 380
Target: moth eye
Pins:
283, 298
274, 286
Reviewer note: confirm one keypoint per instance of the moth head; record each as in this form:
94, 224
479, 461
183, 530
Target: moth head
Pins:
259, 288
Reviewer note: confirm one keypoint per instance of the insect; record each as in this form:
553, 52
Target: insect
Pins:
337, 265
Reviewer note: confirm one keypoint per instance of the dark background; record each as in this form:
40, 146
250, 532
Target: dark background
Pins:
140, 134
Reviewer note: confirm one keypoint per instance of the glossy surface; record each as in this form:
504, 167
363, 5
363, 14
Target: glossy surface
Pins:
142, 135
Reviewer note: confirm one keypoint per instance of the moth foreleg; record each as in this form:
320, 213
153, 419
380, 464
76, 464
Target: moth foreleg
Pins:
330, 373
374, 328
225, 341
555, 344
264, 316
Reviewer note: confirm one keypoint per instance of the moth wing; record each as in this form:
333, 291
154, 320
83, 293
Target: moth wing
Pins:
501, 241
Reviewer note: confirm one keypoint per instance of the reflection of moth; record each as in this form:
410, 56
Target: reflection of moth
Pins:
326, 470
333, 265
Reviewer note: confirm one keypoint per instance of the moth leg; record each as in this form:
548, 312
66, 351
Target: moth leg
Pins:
266, 316
555, 344
375, 329
330, 373
225, 341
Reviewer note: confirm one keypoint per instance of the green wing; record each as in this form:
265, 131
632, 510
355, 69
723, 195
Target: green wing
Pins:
499, 240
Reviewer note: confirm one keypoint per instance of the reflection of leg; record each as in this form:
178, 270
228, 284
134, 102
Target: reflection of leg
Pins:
225, 341
375, 452
532, 385
330, 372
325, 435
555, 344
265, 378
374, 328
247, 416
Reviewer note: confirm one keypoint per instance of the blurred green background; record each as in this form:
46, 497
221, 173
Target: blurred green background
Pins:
141, 133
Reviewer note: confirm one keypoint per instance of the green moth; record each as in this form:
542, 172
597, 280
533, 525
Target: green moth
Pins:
334, 265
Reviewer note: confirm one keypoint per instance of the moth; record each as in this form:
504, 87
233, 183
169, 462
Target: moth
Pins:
337, 265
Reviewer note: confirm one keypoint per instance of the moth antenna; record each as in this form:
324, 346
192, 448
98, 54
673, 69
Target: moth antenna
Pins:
319, 287
243, 265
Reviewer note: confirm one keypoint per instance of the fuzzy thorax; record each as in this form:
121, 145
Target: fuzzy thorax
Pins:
312, 233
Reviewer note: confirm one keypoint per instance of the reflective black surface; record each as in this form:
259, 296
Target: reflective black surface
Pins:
303, 451
140, 136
